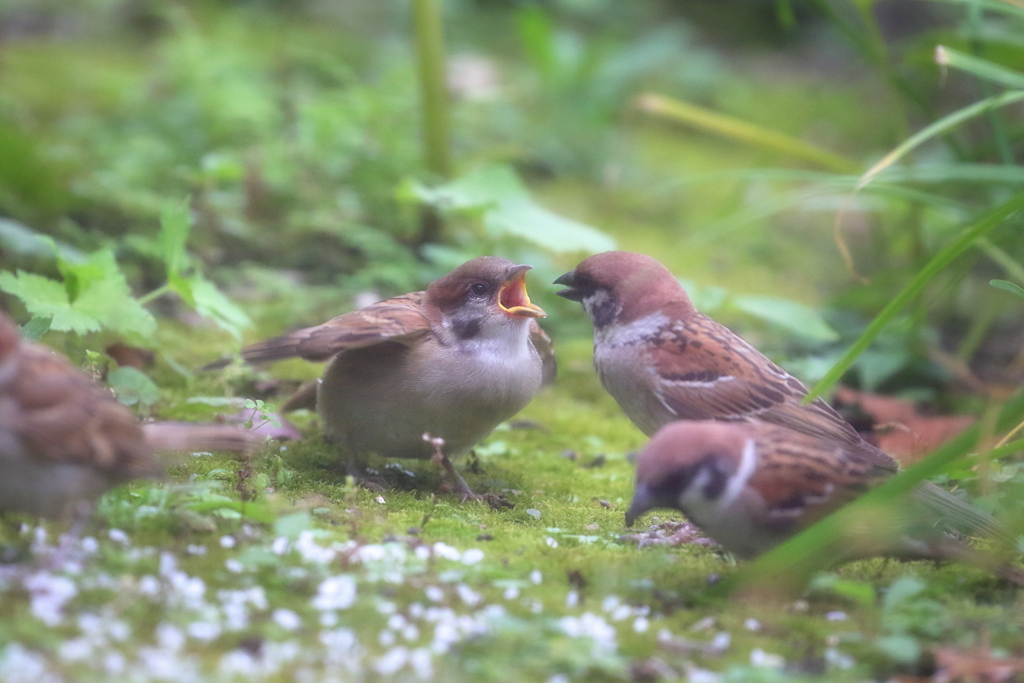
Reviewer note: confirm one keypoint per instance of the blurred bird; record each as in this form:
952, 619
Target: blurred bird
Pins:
752, 486
453, 361
662, 361
65, 440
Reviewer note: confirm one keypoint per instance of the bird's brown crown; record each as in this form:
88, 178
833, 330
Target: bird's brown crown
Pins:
640, 284
679, 448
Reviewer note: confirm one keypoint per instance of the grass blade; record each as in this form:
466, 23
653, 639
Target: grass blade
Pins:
942, 259
678, 111
943, 125
982, 68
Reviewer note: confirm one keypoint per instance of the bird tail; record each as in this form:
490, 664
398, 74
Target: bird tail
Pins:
183, 436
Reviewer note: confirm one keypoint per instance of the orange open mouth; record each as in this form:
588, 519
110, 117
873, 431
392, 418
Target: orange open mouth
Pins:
513, 299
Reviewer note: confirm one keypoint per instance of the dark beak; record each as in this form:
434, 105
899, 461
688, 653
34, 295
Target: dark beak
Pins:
642, 502
569, 280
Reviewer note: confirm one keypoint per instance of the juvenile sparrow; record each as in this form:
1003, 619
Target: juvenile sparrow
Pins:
64, 440
751, 486
453, 361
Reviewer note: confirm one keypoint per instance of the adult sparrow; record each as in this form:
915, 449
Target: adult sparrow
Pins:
662, 360
750, 486
64, 440
452, 362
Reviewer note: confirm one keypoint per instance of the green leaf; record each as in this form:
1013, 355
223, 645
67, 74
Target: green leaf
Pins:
900, 648
860, 592
35, 328
46, 298
107, 298
1008, 286
507, 208
290, 526
175, 224
791, 315
132, 386
211, 303
94, 295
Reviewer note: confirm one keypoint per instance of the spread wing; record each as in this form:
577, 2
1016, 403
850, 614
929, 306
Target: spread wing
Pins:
709, 373
398, 320
542, 342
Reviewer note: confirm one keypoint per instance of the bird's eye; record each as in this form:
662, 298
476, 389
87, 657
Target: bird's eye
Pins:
479, 289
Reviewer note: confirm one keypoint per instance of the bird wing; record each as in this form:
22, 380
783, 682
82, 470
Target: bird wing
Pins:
706, 372
542, 342
399, 320
807, 478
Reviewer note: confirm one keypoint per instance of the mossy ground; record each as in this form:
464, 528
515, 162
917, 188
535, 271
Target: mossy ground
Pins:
182, 580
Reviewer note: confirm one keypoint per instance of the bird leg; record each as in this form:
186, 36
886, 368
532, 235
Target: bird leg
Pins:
441, 460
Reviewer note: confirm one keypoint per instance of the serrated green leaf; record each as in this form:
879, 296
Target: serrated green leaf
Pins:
791, 315
46, 298
1008, 287
175, 225
35, 328
133, 386
210, 302
109, 300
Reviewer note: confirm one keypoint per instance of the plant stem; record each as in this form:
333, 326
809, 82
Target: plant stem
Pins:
433, 86
155, 294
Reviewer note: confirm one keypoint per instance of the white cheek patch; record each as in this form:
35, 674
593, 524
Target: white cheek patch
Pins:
635, 332
738, 481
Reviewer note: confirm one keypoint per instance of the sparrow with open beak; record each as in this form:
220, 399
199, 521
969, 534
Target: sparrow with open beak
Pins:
451, 362
751, 486
65, 440
662, 361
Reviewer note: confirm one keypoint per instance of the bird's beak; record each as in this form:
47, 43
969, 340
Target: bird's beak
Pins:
569, 280
513, 299
642, 502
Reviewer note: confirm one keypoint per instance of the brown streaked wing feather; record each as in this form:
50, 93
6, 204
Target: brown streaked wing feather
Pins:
815, 476
711, 373
400, 320
542, 342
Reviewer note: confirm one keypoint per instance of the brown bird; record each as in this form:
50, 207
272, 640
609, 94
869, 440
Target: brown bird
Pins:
451, 362
751, 486
662, 361
65, 440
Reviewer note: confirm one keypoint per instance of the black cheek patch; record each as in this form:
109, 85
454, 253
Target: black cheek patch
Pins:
466, 328
716, 484
603, 312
